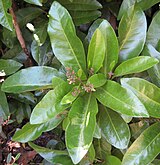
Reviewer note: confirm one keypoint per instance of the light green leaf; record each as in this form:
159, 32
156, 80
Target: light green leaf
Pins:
35, 2
97, 80
112, 160
31, 132
132, 33
5, 17
53, 156
114, 128
112, 48
50, 106
30, 79
145, 148
148, 94
9, 66
83, 11
114, 96
80, 131
66, 46
135, 65
4, 109
96, 51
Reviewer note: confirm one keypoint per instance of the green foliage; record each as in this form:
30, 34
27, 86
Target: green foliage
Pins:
99, 89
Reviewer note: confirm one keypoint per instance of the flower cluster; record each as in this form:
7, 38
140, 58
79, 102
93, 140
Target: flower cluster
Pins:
88, 87
71, 76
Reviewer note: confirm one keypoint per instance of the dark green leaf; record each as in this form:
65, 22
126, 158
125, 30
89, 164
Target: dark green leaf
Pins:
121, 100
114, 128
65, 44
148, 94
35, 2
9, 66
5, 17
80, 131
135, 65
30, 79
145, 148
96, 51
132, 33
53, 156
31, 132
112, 48
50, 106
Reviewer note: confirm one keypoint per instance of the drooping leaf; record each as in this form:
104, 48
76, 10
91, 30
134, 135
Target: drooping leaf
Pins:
112, 48
114, 96
31, 132
132, 33
66, 46
97, 80
4, 109
148, 94
114, 128
9, 66
5, 17
35, 2
50, 106
96, 51
154, 72
80, 131
83, 11
145, 148
53, 156
30, 79
135, 65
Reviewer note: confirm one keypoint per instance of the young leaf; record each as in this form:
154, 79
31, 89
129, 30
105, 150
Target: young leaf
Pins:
110, 160
80, 131
114, 96
66, 46
112, 47
31, 132
50, 106
135, 65
132, 33
53, 156
148, 94
114, 128
5, 17
4, 109
30, 79
9, 66
97, 80
35, 2
145, 148
96, 51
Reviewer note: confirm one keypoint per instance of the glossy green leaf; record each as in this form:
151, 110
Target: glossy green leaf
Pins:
135, 65
154, 72
97, 132
31, 132
35, 2
114, 96
145, 148
5, 17
148, 94
66, 46
97, 80
9, 66
114, 128
83, 11
4, 109
132, 33
112, 48
53, 156
50, 106
80, 131
110, 160
71, 96
30, 79
96, 51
